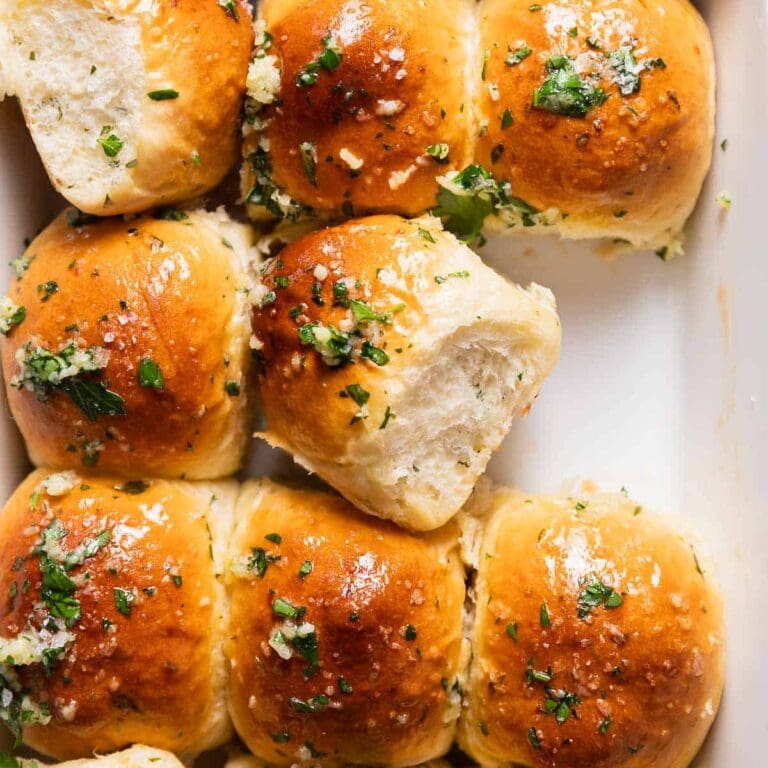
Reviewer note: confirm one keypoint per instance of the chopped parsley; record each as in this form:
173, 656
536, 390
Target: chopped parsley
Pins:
309, 706
109, 142
163, 94
512, 631
344, 686
596, 594
11, 315
518, 55
440, 279
387, 416
275, 538
467, 197
626, 70
410, 633
533, 739
544, 616
123, 601
150, 374
230, 8
329, 60
439, 153
506, 120
232, 388
305, 569
358, 394
427, 235
564, 92
604, 725
281, 607
308, 152
72, 370
260, 560
47, 289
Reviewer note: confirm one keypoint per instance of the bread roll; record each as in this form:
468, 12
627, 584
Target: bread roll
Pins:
392, 362
346, 633
600, 115
597, 640
130, 104
593, 120
356, 107
137, 756
144, 324
113, 613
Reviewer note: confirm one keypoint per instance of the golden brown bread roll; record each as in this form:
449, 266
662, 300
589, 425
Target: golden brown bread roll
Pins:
591, 120
113, 614
597, 639
132, 356
356, 107
130, 104
346, 633
392, 362
600, 114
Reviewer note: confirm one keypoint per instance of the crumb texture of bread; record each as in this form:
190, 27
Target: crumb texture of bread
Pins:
128, 576
130, 104
597, 637
154, 311
346, 632
137, 756
392, 362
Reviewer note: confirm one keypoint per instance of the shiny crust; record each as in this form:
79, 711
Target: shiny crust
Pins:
196, 47
156, 676
412, 53
645, 154
398, 711
630, 170
653, 665
396, 263
182, 308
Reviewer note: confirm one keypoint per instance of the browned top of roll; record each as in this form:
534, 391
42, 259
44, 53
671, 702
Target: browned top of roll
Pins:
139, 667
147, 289
598, 639
398, 88
385, 610
632, 165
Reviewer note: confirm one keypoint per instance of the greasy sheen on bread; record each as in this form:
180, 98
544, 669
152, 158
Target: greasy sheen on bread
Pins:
126, 346
345, 633
113, 615
392, 362
590, 120
130, 104
351, 104
597, 637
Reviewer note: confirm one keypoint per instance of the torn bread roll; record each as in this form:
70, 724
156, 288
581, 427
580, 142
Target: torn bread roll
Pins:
131, 105
346, 633
597, 637
356, 108
137, 756
113, 615
392, 362
126, 346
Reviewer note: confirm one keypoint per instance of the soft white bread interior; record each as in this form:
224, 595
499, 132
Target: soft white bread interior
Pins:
392, 362
597, 635
130, 104
137, 756
155, 311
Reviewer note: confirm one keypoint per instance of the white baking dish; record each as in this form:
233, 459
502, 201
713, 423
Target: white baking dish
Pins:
663, 381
